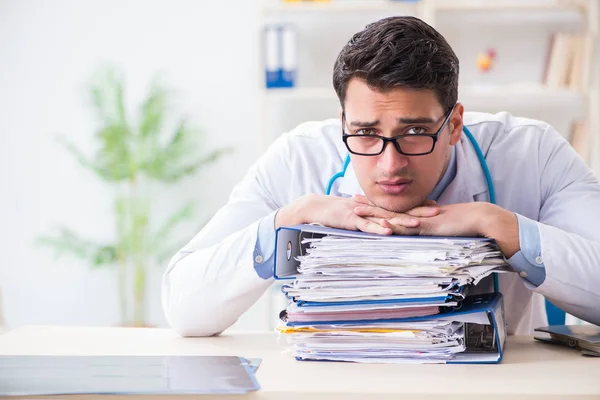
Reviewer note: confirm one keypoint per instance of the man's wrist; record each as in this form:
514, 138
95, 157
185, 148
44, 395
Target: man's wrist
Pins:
290, 214
281, 218
501, 225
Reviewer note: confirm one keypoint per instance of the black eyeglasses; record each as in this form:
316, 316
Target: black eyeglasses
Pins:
414, 144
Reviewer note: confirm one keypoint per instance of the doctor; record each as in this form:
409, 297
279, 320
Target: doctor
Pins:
397, 162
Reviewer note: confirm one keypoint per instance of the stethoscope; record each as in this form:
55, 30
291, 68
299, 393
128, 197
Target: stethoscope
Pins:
484, 167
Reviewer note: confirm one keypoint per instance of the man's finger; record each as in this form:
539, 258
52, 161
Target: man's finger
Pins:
424, 211
404, 220
371, 226
359, 198
394, 218
370, 211
429, 203
401, 230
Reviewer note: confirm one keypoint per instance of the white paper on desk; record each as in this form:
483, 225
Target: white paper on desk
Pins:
341, 292
294, 308
335, 299
358, 315
435, 325
378, 347
432, 341
371, 289
397, 250
332, 281
402, 247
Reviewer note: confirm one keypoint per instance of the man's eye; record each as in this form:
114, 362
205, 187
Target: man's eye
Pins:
417, 130
366, 132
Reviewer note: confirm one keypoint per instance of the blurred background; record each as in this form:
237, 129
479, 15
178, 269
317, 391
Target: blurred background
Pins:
126, 124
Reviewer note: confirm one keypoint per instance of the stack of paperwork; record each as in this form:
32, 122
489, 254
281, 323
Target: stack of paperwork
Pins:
385, 299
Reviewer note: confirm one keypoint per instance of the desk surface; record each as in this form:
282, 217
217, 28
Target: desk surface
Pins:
528, 370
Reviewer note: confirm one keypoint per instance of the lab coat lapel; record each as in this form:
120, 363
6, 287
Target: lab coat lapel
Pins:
469, 184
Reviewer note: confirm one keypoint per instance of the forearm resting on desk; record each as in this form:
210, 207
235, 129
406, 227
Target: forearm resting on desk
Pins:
205, 290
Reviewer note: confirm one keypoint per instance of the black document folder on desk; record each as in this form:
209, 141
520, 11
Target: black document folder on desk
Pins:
135, 375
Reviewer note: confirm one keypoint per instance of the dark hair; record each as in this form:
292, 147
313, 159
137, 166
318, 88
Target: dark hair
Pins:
399, 52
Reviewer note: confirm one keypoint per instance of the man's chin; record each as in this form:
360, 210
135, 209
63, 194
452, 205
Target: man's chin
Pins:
398, 204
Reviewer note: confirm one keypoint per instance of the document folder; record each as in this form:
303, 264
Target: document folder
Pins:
485, 328
481, 316
288, 244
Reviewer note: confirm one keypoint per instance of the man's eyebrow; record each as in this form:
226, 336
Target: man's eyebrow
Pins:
401, 120
418, 120
364, 124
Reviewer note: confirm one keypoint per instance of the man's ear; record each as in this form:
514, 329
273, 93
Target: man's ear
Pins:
456, 123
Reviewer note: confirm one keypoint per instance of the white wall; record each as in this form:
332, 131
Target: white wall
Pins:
205, 50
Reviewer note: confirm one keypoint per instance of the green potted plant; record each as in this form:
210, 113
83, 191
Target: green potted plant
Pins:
132, 155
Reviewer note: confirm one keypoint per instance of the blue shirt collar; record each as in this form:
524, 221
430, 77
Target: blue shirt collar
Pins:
446, 179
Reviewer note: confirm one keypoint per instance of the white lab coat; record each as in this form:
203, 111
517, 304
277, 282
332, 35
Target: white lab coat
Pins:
212, 280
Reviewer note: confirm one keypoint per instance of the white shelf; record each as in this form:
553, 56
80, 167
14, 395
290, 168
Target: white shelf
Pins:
401, 7
509, 5
411, 7
301, 93
527, 94
520, 95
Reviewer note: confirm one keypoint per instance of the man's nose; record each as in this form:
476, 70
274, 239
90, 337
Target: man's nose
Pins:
391, 160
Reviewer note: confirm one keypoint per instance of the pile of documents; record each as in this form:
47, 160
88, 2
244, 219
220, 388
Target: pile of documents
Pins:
368, 298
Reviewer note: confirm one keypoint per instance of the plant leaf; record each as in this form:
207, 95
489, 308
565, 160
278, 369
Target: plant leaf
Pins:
185, 212
165, 252
107, 95
68, 242
174, 174
152, 112
81, 158
170, 169
115, 156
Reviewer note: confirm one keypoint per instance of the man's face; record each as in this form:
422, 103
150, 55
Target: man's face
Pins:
392, 180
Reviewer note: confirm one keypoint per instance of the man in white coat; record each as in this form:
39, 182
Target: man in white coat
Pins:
411, 171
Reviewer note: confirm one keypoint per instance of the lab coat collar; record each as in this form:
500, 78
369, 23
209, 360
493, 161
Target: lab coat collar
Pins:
468, 184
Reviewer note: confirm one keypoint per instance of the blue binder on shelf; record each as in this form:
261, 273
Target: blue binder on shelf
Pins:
280, 56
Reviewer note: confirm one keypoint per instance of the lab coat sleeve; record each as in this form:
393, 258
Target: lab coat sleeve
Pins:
265, 247
211, 281
569, 225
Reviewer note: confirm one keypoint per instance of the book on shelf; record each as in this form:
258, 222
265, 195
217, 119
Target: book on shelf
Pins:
569, 61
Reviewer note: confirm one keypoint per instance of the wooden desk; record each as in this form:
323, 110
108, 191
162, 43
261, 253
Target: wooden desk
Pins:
528, 370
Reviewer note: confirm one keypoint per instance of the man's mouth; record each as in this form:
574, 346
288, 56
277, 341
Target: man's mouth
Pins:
394, 186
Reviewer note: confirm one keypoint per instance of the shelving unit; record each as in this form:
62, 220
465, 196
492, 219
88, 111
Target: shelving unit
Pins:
483, 97
338, 6
525, 94
439, 5
507, 5
477, 94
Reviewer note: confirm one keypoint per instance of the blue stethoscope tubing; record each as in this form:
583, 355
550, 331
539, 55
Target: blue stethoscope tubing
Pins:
484, 167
